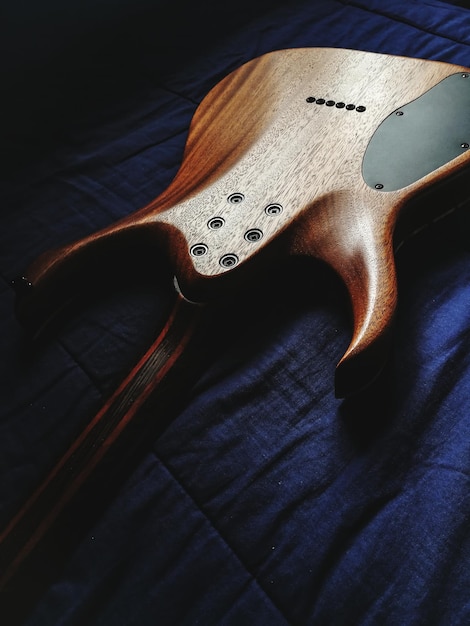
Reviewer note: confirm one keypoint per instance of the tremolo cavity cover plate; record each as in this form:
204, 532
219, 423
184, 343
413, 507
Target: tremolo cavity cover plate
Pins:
421, 136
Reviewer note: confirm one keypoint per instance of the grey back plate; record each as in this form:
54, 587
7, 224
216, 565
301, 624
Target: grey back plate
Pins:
421, 136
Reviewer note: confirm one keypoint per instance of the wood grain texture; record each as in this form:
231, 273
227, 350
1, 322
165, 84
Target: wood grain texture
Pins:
257, 135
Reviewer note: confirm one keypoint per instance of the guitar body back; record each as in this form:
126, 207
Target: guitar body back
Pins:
302, 147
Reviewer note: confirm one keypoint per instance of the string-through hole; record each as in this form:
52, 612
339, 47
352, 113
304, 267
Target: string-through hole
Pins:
253, 235
215, 223
199, 249
273, 209
228, 260
236, 198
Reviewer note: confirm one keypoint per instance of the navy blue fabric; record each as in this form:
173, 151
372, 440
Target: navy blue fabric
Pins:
266, 500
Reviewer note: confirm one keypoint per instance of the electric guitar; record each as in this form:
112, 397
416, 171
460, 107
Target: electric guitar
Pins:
312, 152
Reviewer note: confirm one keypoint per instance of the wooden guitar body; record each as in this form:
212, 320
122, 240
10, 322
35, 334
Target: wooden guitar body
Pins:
298, 152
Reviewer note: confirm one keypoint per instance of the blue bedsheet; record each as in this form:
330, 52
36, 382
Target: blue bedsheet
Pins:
266, 500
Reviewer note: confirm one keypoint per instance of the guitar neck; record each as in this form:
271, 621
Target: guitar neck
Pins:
27, 536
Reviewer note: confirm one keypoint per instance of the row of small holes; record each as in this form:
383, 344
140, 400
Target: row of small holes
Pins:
338, 105
253, 235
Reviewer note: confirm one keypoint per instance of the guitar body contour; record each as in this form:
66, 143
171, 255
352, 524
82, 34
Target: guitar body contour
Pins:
318, 149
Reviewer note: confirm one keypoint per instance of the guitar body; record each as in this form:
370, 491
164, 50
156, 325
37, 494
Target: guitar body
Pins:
305, 151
